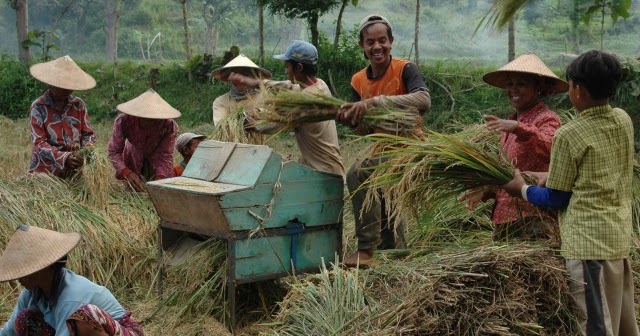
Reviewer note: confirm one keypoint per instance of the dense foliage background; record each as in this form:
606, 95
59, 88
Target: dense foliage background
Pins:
453, 59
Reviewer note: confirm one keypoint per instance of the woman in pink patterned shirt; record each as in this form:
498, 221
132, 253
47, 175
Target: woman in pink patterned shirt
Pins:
143, 140
526, 139
59, 121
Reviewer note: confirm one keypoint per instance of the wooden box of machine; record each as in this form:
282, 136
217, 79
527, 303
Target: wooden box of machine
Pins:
278, 217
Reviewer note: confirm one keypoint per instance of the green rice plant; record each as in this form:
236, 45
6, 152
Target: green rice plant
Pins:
333, 302
290, 108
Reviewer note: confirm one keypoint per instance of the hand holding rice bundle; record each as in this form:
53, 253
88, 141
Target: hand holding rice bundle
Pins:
443, 166
291, 108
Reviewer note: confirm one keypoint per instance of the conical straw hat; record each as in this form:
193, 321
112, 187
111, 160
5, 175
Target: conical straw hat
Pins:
64, 73
527, 63
241, 61
32, 249
149, 105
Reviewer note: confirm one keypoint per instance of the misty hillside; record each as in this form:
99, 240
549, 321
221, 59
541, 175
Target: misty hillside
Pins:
446, 28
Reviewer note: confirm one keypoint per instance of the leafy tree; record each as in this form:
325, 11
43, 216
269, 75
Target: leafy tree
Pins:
309, 10
344, 4
503, 11
616, 8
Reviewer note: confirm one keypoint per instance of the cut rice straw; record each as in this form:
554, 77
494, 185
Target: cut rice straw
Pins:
290, 108
432, 171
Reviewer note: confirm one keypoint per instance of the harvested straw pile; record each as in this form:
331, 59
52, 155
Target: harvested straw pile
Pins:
291, 108
490, 290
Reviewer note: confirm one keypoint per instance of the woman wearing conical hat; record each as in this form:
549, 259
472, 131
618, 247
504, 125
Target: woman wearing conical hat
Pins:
55, 300
59, 121
143, 139
526, 139
239, 96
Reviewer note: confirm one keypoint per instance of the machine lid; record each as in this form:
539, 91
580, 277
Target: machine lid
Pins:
228, 162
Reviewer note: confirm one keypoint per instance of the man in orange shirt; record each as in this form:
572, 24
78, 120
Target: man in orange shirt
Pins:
386, 81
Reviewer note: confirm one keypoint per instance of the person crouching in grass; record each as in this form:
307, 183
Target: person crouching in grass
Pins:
60, 124
55, 300
589, 180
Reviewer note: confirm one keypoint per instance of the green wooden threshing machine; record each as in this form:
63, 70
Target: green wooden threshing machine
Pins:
278, 218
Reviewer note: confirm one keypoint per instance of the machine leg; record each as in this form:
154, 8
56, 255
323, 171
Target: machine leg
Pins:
161, 264
231, 284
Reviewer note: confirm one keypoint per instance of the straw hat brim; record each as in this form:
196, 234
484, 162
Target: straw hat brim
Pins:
220, 73
526, 64
63, 73
149, 105
32, 249
240, 62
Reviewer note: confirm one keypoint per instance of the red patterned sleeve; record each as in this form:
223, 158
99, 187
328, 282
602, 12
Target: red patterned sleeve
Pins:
116, 147
536, 137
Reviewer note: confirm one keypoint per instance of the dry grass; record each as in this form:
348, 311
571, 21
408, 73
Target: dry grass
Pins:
487, 290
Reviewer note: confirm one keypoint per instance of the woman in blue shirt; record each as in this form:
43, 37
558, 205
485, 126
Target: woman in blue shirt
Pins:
56, 301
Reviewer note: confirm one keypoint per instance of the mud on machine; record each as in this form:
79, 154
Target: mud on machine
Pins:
278, 218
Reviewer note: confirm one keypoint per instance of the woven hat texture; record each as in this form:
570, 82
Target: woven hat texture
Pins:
149, 105
241, 61
31, 249
529, 64
63, 73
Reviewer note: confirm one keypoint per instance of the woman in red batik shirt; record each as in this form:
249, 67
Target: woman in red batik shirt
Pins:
59, 121
526, 139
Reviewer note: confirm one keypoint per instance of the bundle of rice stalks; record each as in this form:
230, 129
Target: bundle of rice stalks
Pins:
96, 179
231, 128
487, 290
196, 285
449, 222
329, 303
418, 172
291, 108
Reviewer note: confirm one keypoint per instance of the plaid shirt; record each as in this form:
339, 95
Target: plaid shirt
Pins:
55, 134
592, 156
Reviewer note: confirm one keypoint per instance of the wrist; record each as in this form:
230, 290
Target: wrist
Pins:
523, 192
